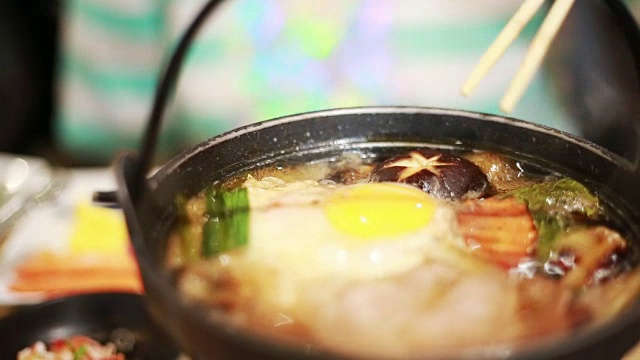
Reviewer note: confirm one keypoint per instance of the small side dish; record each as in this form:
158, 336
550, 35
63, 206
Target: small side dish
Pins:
74, 348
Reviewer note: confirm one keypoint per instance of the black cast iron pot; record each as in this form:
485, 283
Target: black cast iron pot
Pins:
150, 211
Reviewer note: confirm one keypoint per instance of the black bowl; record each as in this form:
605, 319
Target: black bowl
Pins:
375, 131
150, 210
117, 317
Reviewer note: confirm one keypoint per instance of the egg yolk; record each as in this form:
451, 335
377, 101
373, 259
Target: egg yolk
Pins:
379, 209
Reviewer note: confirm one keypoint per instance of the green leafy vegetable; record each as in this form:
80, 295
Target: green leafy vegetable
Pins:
562, 197
549, 227
79, 353
554, 205
227, 225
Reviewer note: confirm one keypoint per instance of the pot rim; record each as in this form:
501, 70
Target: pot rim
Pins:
176, 161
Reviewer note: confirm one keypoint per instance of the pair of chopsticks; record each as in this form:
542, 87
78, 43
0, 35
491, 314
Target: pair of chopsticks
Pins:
535, 54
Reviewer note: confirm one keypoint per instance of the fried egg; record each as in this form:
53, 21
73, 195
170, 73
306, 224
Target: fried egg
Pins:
314, 231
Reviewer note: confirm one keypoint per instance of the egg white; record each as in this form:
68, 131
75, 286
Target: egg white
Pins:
289, 232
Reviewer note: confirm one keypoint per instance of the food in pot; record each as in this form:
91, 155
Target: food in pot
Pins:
426, 252
77, 347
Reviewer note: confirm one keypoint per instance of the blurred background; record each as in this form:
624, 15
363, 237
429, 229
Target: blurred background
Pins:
77, 76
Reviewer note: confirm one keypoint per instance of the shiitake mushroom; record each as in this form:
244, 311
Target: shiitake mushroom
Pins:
436, 172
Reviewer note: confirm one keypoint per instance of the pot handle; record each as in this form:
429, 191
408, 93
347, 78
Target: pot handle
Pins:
126, 166
172, 71
131, 170
163, 91
170, 74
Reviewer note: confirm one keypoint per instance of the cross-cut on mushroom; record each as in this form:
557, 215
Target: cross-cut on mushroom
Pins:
438, 173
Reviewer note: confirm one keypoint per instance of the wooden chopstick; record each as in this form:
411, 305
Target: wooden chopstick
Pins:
514, 27
538, 49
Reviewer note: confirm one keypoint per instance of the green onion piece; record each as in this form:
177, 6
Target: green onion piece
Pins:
213, 201
213, 235
238, 203
549, 227
227, 226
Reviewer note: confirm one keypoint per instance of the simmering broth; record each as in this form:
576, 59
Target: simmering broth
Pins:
421, 252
